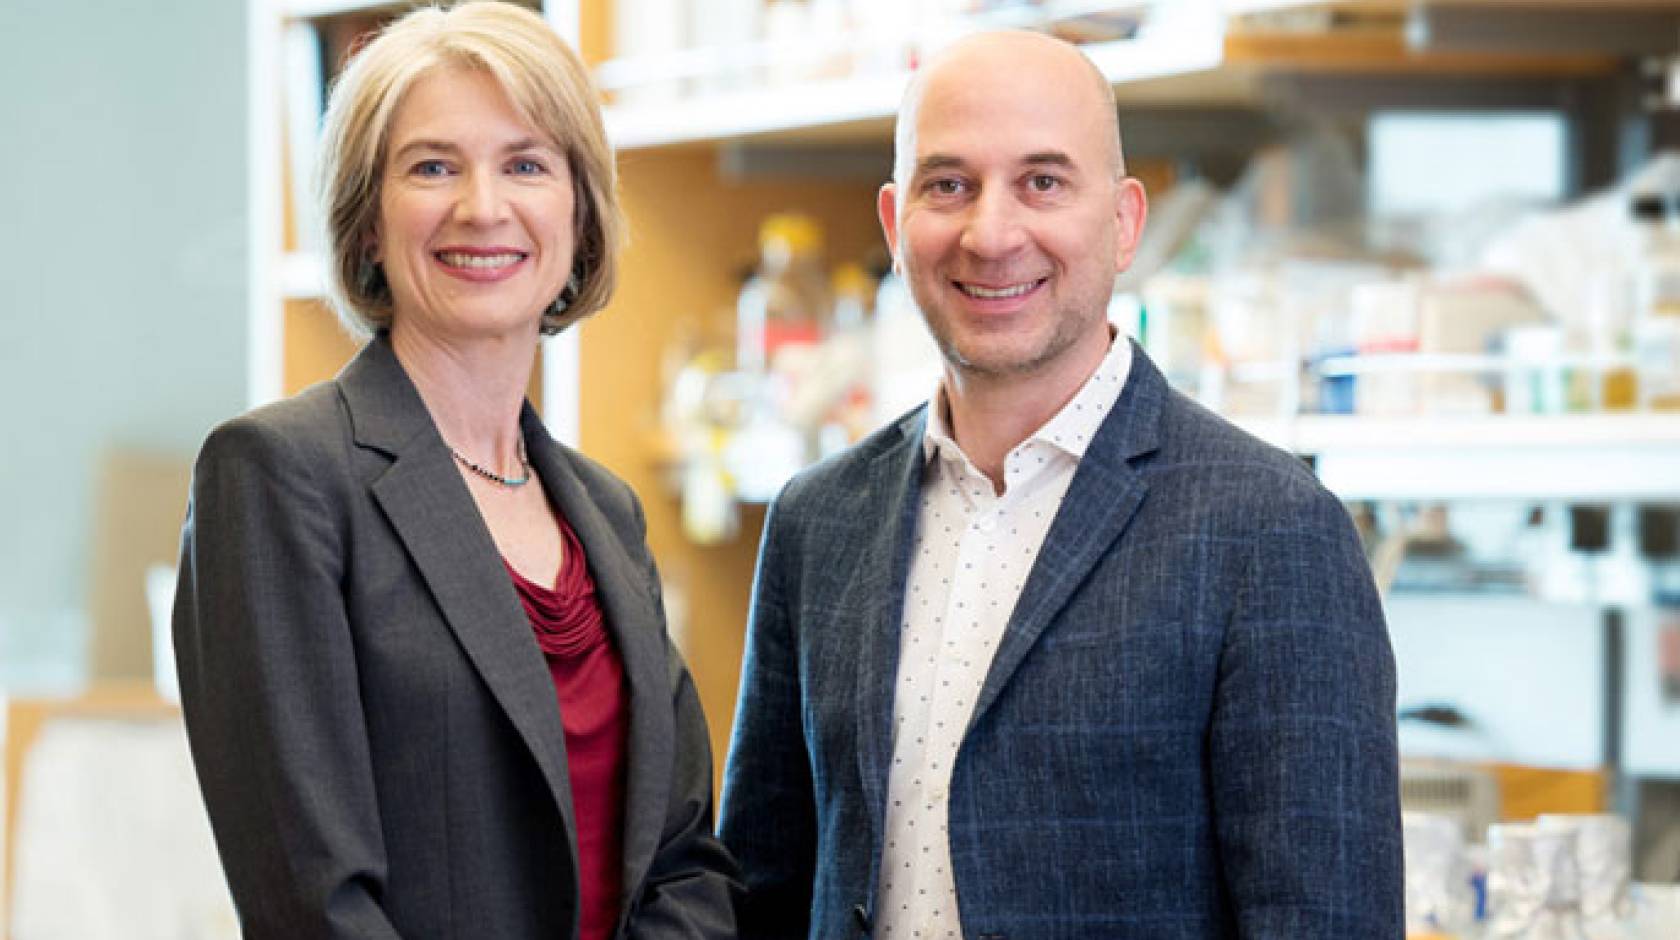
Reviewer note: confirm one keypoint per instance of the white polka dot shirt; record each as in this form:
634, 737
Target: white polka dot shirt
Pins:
971, 557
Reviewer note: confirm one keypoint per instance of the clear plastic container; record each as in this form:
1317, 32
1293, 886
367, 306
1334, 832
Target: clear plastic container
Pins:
1656, 328
1534, 884
787, 301
845, 380
1604, 861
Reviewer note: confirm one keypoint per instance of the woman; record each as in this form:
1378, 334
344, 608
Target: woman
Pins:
421, 645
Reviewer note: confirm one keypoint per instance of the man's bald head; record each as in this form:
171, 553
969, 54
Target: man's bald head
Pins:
1003, 52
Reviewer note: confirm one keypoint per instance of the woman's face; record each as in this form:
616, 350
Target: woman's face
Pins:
475, 224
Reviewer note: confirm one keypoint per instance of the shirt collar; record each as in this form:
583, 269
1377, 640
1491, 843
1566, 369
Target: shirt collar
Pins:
1069, 430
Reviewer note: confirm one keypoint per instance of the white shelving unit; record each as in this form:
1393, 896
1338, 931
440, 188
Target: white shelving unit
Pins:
755, 112
1186, 47
1178, 55
1581, 456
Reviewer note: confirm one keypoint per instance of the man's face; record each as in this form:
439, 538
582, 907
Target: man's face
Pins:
1009, 222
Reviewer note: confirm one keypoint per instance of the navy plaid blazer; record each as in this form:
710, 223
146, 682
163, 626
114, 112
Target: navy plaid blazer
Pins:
1188, 730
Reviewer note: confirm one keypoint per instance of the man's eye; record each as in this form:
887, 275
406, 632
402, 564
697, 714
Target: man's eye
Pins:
1043, 182
945, 187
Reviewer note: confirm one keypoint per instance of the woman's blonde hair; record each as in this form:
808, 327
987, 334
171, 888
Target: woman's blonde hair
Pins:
547, 85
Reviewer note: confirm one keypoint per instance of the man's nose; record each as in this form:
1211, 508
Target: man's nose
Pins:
994, 226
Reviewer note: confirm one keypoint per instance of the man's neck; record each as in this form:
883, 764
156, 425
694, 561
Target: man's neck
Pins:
989, 415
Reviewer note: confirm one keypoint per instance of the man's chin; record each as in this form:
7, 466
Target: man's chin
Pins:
994, 360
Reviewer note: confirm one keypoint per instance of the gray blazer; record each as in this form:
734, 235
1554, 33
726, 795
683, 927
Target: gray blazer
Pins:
374, 728
1187, 732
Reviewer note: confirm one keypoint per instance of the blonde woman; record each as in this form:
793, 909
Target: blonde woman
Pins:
422, 649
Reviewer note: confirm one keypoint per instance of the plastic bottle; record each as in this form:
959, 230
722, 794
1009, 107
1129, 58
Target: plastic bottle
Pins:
846, 362
1656, 331
827, 392
787, 301
853, 290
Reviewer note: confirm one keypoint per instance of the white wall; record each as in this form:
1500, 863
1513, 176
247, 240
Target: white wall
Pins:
1529, 675
122, 276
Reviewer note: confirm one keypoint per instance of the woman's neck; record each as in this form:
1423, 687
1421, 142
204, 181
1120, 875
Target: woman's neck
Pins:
473, 389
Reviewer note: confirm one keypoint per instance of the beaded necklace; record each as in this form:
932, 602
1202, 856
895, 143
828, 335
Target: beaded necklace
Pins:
493, 476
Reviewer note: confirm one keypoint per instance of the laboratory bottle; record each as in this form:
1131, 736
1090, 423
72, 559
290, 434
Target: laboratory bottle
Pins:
1656, 328
787, 301
847, 361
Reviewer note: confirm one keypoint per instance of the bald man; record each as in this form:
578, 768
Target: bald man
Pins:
1059, 654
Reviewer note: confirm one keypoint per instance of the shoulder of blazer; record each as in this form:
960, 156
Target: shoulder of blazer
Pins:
1194, 436
309, 423
1159, 431
1262, 488
851, 476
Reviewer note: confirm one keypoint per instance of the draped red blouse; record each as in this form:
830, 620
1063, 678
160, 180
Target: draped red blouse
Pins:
589, 682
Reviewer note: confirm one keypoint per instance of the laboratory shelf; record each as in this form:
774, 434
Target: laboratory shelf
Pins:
1186, 49
1588, 456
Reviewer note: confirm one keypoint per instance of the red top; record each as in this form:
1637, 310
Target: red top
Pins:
589, 680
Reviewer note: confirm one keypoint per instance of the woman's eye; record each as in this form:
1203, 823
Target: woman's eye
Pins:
524, 167
430, 168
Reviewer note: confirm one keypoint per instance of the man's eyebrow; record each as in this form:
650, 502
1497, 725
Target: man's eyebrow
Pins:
941, 161
938, 161
1048, 158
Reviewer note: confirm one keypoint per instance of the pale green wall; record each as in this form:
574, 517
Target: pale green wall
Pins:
122, 276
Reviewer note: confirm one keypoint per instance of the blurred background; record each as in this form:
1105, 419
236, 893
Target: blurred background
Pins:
1431, 246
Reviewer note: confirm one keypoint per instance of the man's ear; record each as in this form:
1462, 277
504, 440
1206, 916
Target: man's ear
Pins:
1131, 209
886, 209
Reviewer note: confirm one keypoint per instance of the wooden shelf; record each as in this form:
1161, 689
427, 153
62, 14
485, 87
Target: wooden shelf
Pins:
1388, 53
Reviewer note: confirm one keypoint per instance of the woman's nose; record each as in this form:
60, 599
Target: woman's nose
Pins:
481, 199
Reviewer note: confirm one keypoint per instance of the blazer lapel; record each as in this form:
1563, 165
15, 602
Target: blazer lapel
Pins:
638, 630
433, 513
895, 479
1100, 501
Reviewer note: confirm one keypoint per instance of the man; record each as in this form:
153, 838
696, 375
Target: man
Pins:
1061, 654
